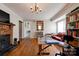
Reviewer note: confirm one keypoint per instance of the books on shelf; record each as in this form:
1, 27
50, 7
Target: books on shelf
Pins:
77, 16
76, 25
74, 34
73, 23
73, 18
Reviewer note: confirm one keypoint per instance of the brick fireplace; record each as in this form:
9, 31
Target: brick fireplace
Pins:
6, 36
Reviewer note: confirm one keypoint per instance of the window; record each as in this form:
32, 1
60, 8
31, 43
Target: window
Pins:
61, 26
39, 25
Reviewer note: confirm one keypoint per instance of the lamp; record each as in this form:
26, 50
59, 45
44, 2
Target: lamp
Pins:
35, 8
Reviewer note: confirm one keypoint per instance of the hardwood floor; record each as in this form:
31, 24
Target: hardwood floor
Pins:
29, 47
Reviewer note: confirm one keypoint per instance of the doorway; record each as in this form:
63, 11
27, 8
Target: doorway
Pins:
20, 30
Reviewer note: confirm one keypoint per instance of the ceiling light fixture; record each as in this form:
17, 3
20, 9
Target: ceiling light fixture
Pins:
35, 8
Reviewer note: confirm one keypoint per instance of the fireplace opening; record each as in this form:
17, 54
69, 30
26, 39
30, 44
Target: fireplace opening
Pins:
4, 43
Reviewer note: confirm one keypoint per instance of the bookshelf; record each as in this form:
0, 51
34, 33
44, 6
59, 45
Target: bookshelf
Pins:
72, 23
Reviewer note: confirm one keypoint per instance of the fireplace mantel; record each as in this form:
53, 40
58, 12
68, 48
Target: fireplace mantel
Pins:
11, 24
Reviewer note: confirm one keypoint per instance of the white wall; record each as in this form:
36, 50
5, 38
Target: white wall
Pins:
26, 25
13, 19
31, 27
49, 27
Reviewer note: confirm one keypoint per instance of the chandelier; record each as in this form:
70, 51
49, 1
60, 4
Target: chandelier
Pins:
35, 8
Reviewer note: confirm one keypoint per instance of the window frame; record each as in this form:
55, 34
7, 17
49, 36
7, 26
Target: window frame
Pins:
57, 24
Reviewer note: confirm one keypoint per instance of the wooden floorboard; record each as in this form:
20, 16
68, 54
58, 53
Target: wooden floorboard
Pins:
28, 47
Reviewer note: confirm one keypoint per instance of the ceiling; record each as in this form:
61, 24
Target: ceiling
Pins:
23, 10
